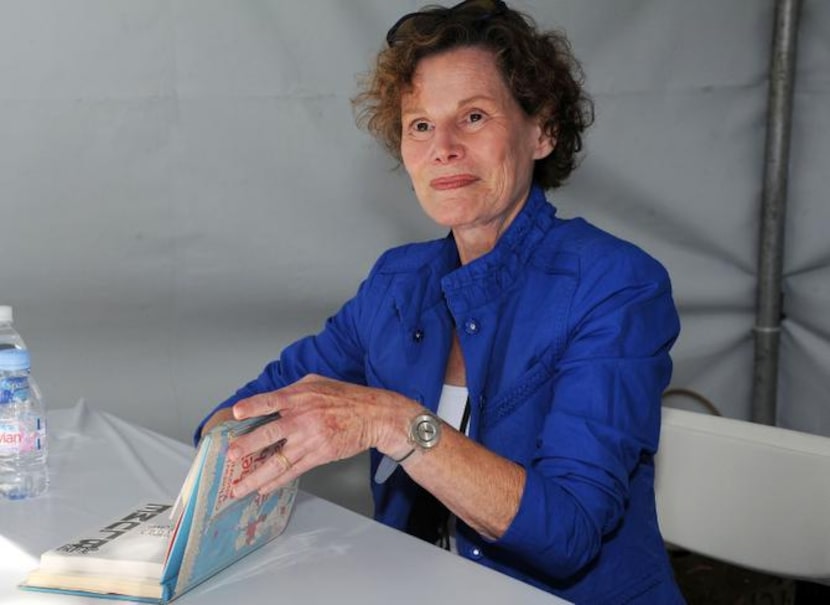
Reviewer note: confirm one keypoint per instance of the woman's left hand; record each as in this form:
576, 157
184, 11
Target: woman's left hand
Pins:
320, 420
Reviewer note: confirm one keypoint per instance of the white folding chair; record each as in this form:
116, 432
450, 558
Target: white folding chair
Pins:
751, 495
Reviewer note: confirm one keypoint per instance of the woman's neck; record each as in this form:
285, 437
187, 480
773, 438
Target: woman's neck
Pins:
476, 240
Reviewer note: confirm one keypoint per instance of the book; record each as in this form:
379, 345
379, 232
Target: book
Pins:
155, 552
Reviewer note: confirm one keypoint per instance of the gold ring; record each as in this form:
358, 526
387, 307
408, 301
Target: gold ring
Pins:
285, 461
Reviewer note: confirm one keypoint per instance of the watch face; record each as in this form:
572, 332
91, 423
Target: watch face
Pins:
426, 431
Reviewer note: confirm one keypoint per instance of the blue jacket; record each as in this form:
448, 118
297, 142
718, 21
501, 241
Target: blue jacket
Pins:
565, 332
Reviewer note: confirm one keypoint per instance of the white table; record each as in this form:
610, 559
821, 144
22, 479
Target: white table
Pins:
101, 465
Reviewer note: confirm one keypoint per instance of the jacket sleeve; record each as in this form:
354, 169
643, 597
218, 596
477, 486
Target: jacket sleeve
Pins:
605, 415
336, 352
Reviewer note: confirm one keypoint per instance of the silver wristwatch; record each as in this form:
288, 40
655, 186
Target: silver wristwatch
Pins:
425, 431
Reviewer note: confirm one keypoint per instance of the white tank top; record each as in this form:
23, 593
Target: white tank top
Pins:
451, 405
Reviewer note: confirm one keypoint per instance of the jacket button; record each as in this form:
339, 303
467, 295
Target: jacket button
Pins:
418, 335
471, 326
475, 553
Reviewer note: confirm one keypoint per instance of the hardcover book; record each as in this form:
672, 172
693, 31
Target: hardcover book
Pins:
156, 552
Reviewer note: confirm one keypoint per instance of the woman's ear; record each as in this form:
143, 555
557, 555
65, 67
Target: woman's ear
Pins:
545, 141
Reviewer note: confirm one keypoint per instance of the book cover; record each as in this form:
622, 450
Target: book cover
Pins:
157, 552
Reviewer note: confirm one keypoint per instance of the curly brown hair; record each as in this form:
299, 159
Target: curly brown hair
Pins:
538, 67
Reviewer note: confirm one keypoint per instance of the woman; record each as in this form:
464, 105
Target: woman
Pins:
541, 343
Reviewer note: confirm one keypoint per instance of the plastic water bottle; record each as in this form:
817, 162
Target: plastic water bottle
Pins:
9, 338
23, 471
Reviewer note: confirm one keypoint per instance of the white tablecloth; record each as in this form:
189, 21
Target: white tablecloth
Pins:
101, 465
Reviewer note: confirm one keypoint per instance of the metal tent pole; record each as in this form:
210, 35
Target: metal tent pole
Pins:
767, 328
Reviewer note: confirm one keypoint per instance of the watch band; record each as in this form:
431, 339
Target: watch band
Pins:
405, 456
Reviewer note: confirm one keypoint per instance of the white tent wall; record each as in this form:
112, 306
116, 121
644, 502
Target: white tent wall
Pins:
805, 344
184, 191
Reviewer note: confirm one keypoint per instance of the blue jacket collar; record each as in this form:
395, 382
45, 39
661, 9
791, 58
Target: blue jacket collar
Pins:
488, 276
441, 279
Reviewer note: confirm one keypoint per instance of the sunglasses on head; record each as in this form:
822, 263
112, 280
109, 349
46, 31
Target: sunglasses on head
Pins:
421, 21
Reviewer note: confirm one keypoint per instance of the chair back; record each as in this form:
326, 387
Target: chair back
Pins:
752, 495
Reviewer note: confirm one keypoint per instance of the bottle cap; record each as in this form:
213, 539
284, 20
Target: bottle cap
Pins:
5, 314
12, 360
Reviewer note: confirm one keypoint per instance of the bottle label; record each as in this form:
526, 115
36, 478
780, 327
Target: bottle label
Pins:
14, 388
22, 436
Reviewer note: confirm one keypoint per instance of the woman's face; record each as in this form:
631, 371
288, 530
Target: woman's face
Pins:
467, 145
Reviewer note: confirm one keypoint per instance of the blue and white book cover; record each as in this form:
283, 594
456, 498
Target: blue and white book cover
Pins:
220, 529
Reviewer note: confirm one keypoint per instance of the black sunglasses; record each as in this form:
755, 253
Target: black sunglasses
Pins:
481, 10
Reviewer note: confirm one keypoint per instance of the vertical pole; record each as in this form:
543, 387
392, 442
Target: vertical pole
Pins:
767, 328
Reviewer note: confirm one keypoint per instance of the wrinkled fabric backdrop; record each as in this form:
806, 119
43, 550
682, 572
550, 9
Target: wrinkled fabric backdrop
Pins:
183, 190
